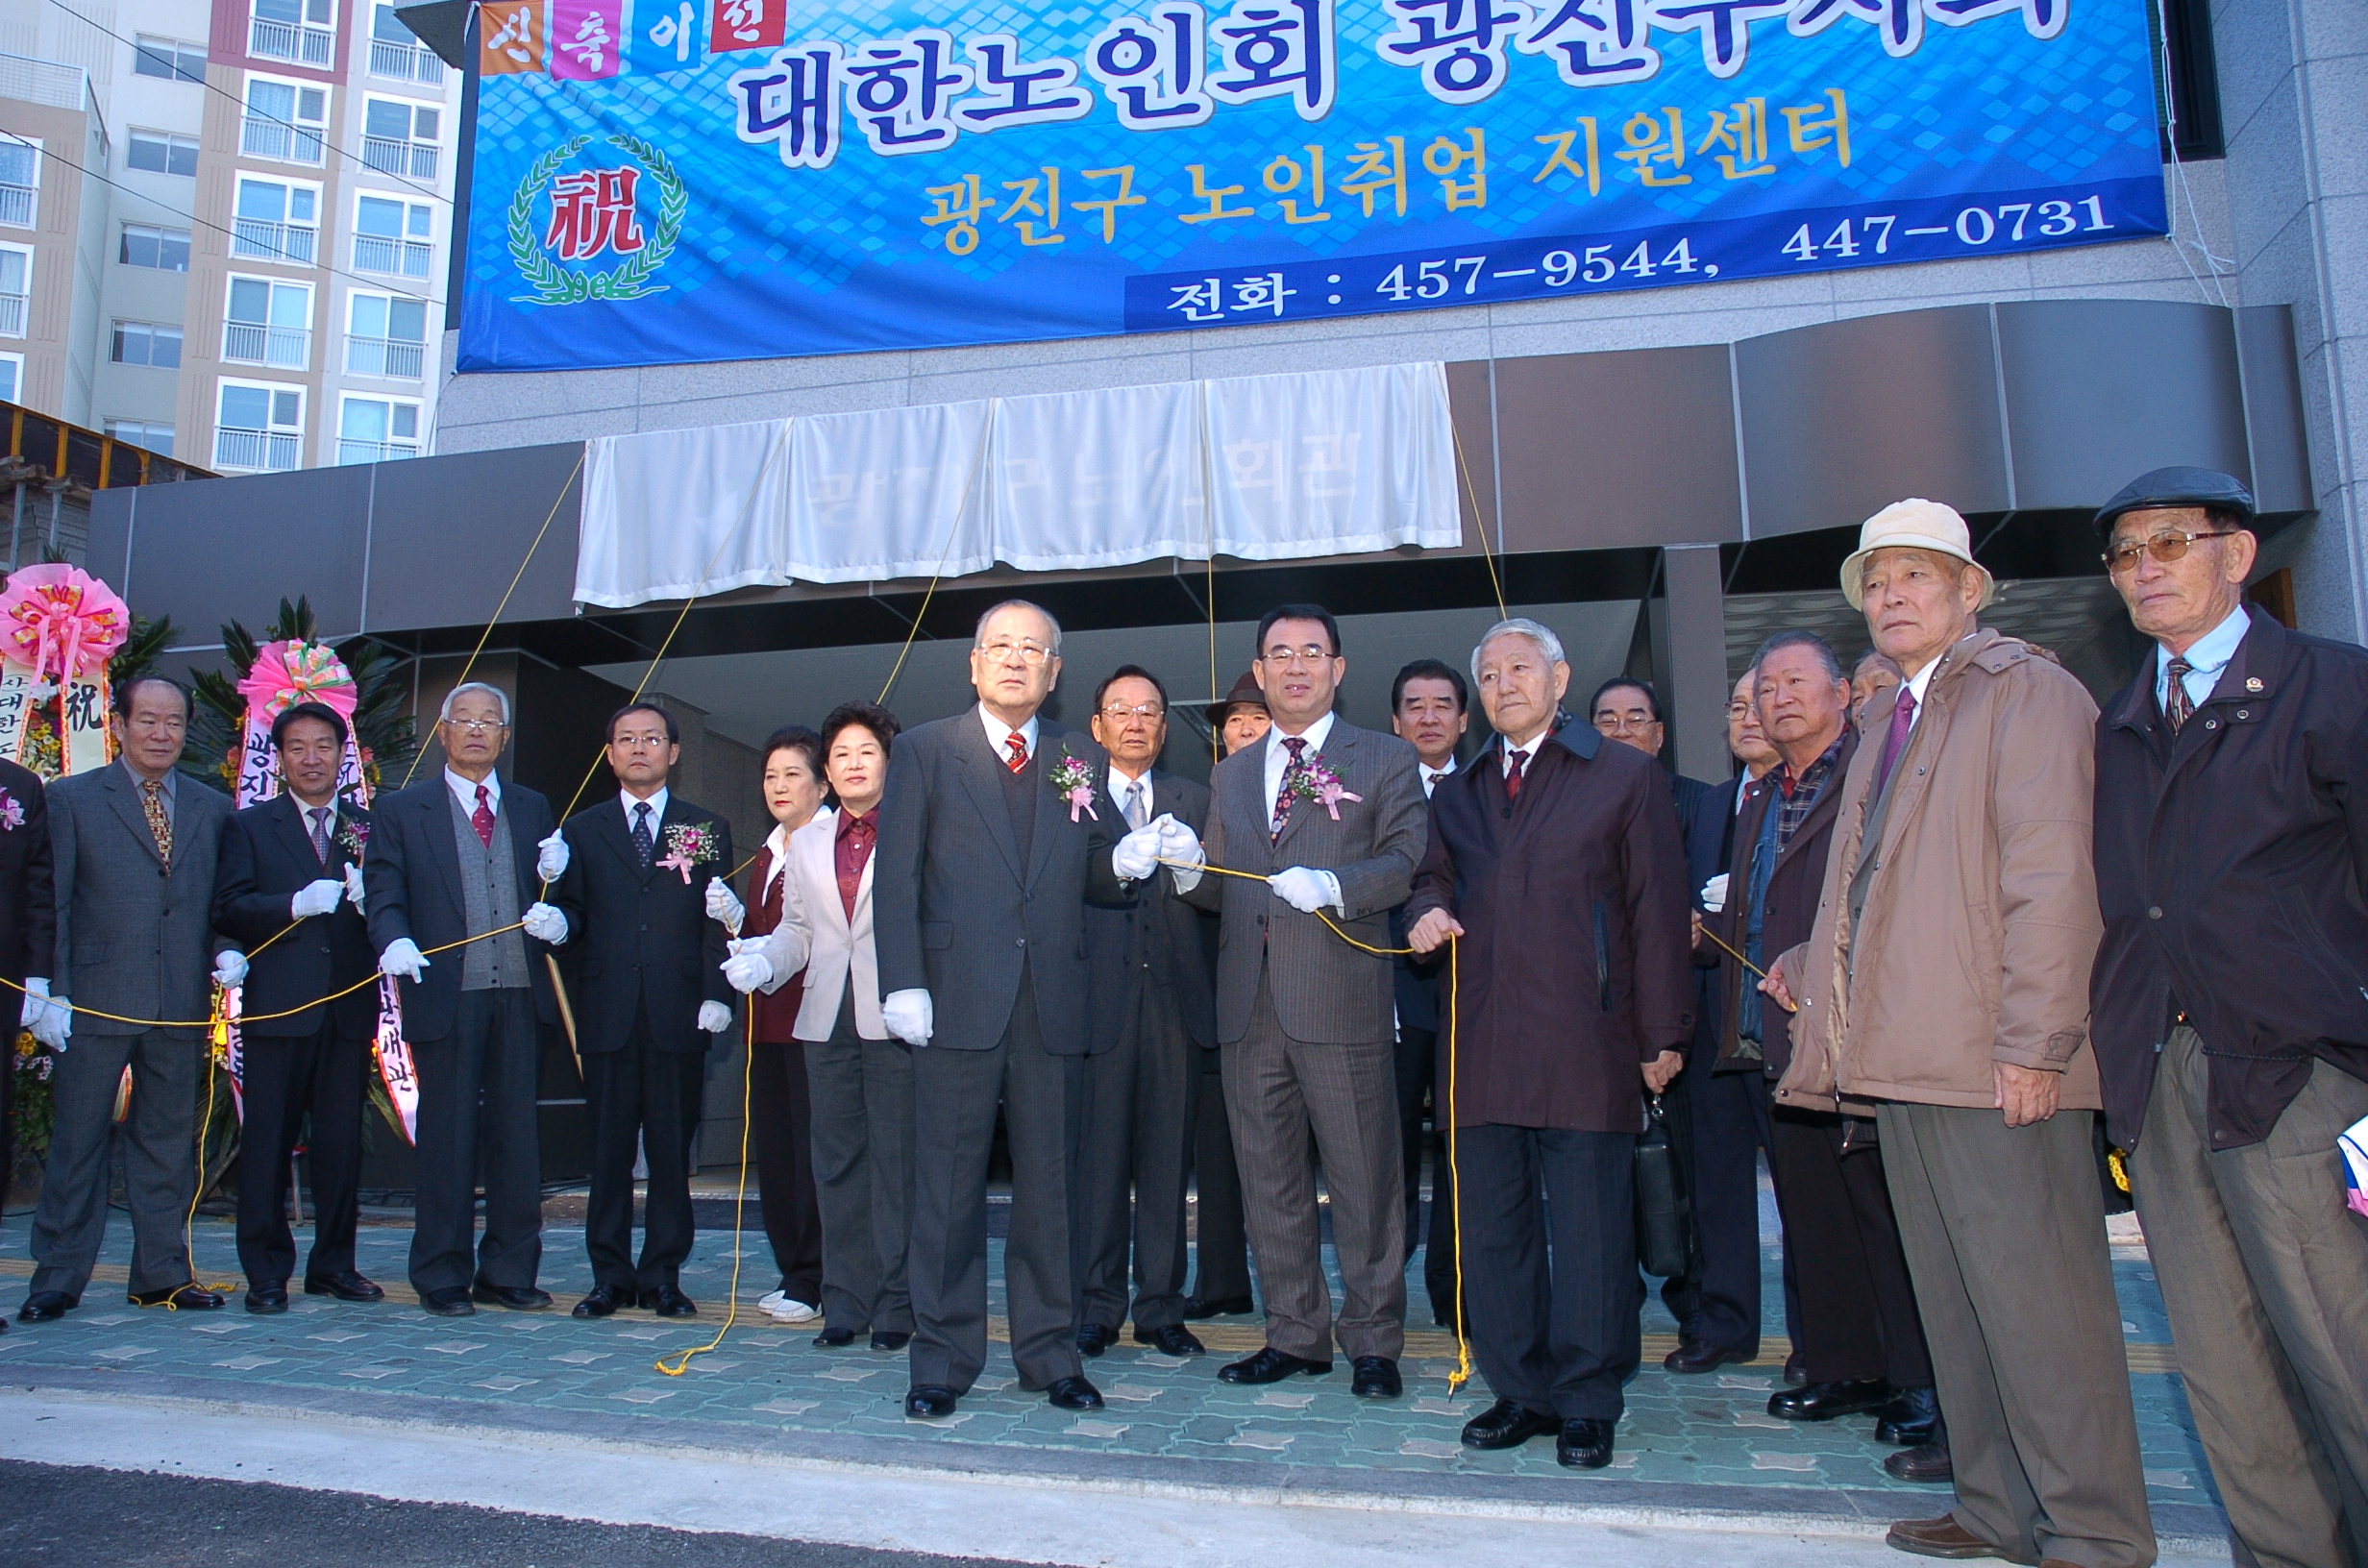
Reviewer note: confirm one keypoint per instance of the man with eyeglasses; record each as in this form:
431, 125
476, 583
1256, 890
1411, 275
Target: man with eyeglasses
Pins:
1149, 1001
995, 830
2229, 1011
1330, 822
465, 857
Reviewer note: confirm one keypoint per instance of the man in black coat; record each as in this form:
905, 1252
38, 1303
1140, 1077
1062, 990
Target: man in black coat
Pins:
28, 923
2228, 1007
652, 996
287, 891
994, 832
1150, 1001
461, 858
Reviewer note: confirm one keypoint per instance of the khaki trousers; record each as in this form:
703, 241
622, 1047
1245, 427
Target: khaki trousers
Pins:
2266, 1275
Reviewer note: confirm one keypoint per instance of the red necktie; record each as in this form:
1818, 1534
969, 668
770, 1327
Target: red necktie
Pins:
2178, 707
1515, 762
482, 819
1017, 745
1903, 718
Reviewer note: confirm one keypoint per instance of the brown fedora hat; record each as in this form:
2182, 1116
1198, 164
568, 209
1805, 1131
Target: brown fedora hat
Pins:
1244, 690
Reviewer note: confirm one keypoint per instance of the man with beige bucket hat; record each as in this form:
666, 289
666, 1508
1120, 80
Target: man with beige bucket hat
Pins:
1946, 981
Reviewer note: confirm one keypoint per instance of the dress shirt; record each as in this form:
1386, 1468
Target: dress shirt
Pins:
465, 790
1432, 776
1120, 783
2209, 655
658, 810
997, 729
1528, 751
1918, 684
777, 849
851, 848
1278, 759
164, 796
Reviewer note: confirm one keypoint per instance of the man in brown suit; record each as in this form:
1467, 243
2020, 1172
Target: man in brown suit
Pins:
1947, 980
1551, 851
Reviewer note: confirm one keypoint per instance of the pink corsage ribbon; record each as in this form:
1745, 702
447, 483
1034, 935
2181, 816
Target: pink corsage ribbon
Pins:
677, 862
1330, 794
1081, 797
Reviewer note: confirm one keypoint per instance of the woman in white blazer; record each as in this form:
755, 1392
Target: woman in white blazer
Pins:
859, 1078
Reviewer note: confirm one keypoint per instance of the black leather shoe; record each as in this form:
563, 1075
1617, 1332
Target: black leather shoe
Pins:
1912, 1420
890, 1338
1926, 1465
605, 1300
1700, 1356
1824, 1401
452, 1303
1093, 1340
669, 1301
518, 1298
1072, 1394
929, 1401
46, 1307
1195, 1311
345, 1286
1172, 1339
268, 1298
834, 1339
1584, 1444
1271, 1365
1376, 1378
192, 1297
1507, 1424
1795, 1372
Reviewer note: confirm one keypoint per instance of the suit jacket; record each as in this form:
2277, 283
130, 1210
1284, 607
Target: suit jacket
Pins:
135, 941
266, 858
642, 938
1573, 970
1157, 932
28, 886
411, 881
839, 952
776, 1010
1326, 992
956, 912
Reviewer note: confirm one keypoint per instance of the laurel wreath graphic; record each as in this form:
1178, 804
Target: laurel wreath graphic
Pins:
628, 280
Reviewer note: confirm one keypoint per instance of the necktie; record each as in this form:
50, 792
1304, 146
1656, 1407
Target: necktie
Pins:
1134, 803
1514, 762
482, 819
1903, 717
2177, 706
1297, 745
320, 833
160, 826
1016, 743
644, 845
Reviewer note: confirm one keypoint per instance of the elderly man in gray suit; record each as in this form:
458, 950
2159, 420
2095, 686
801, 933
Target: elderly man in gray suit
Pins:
994, 832
1334, 820
134, 846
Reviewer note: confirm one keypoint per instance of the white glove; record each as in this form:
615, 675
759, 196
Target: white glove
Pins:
714, 1017
230, 969
47, 1020
1178, 841
1136, 856
37, 1002
1714, 894
1305, 890
551, 857
403, 958
909, 1016
544, 923
353, 887
723, 907
748, 967
318, 897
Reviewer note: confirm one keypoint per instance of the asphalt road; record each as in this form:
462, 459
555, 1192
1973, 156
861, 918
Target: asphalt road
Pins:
74, 1517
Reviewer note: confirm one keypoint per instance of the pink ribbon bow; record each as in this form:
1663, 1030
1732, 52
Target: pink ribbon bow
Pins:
287, 673
61, 621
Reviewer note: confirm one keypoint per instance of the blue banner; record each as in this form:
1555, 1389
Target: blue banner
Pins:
670, 180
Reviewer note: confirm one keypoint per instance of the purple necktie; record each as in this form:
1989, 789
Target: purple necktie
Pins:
1903, 717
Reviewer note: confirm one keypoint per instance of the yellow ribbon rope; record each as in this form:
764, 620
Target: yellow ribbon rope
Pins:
739, 1207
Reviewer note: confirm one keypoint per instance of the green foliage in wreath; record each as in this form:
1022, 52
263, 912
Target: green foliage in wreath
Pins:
628, 280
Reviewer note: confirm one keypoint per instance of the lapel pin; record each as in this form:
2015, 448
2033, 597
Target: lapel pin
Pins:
2253, 683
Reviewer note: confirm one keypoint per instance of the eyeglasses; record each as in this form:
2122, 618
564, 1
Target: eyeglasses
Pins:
640, 743
1280, 657
1736, 710
1118, 713
1614, 723
2164, 548
476, 726
1024, 653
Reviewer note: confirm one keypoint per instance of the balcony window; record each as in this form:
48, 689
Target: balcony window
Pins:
147, 343
386, 336
374, 431
399, 138
277, 222
21, 181
15, 289
260, 428
167, 250
160, 151
285, 120
394, 237
170, 59
269, 324
304, 31
13, 378
396, 52
143, 433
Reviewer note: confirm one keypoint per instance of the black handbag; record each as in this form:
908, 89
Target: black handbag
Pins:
1664, 1213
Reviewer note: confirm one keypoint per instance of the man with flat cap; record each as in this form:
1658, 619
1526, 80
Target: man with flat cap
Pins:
2228, 1007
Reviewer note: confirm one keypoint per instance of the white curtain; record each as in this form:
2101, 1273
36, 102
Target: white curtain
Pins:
1324, 464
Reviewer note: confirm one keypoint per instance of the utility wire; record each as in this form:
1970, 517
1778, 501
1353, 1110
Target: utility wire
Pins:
249, 110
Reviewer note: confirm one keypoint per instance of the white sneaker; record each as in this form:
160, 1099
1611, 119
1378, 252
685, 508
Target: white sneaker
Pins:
780, 1307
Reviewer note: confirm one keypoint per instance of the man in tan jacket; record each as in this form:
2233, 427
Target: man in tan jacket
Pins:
1946, 980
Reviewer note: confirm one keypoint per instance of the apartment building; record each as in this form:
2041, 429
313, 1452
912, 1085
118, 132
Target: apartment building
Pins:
275, 179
